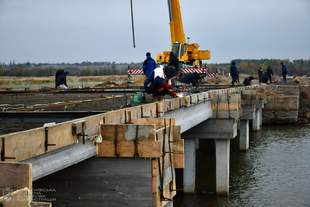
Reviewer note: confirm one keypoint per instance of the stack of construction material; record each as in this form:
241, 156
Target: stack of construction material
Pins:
157, 140
282, 104
226, 105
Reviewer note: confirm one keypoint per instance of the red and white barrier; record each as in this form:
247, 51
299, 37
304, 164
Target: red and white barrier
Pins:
185, 70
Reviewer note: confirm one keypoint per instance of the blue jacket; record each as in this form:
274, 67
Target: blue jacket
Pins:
284, 70
148, 66
233, 71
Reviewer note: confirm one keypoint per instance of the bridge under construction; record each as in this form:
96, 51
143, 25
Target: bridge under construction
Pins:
140, 150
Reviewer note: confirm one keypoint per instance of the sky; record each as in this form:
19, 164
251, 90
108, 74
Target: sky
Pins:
100, 30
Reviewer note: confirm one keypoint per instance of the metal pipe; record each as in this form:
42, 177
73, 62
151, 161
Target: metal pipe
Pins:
132, 25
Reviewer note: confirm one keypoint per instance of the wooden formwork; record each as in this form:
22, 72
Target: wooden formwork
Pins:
16, 186
226, 105
21, 198
157, 139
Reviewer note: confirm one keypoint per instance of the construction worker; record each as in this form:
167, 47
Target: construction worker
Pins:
248, 81
149, 65
161, 83
234, 73
260, 74
284, 71
61, 79
269, 73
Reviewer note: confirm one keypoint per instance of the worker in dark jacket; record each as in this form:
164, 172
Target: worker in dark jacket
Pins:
269, 73
148, 67
234, 73
284, 71
61, 79
248, 81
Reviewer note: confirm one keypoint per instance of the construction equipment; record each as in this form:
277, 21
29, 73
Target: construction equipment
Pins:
187, 53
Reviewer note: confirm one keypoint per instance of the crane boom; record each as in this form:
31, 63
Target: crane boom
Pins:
188, 53
176, 24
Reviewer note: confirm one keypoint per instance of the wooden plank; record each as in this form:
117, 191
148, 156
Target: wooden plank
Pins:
149, 110
23, 145
226, 105
133, 113
115, 117
60, 135
155, 121
171, 104
106, 149
178, 148
92, 125
175, 103
161, 109
185, 101
15, 176
194, 99
18, 198
128, 140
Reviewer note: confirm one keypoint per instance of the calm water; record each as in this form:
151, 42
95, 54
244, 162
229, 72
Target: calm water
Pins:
274, 172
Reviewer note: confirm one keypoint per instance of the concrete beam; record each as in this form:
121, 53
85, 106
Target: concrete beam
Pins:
189, 177
244, 136
214, 129
222, 150
189, 117
54, 161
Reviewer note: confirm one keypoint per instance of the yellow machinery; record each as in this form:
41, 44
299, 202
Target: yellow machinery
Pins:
187, 53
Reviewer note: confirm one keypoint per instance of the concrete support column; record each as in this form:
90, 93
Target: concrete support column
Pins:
244, 135
258, 119
222, 149
189, 178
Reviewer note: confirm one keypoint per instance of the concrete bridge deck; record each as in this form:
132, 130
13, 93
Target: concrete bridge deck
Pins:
215, 114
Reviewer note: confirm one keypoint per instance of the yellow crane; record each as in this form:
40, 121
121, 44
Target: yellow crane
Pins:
187, 53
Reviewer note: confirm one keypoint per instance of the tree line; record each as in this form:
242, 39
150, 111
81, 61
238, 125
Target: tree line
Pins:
247, 66
296, 67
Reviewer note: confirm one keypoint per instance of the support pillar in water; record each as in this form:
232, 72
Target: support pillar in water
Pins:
257, 120
244, 136
222, 150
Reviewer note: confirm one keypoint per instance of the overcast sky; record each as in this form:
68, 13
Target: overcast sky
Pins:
100, 30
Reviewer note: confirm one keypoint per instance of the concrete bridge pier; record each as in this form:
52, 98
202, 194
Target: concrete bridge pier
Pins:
244, 136
221, 131
258, 119
222, 156
189, 177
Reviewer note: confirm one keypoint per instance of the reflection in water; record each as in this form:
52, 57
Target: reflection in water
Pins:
274, 172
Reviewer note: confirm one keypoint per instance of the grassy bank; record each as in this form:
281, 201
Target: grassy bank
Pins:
72, 81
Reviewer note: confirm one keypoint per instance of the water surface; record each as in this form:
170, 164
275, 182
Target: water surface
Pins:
274, 172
